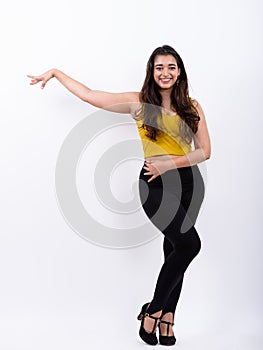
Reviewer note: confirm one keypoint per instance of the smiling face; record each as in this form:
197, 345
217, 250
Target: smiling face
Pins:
165, 71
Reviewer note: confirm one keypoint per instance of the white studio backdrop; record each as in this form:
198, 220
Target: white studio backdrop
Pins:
59, 290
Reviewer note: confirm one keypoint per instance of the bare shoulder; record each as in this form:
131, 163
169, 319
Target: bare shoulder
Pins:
197, 105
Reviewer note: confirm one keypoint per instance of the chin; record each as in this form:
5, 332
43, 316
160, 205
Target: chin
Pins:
165, 87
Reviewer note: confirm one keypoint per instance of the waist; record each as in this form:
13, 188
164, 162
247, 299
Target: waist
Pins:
183, 176
163, 157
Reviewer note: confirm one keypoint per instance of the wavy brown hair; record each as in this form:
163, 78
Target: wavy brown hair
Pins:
180, 101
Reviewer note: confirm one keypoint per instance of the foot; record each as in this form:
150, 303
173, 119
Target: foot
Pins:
169, 317
149, 322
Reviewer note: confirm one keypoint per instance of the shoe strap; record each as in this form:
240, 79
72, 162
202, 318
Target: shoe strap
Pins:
168, 324
146, 314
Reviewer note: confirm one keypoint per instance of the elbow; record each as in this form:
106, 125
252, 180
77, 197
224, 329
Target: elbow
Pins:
89, 97
207, 154
84, 98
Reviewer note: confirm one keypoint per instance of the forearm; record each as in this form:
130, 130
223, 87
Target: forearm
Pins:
75, 87
191, 158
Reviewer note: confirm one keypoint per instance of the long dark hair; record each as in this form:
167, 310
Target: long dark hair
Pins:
180, 101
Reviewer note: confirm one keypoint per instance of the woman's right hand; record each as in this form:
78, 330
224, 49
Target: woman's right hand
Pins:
45, 77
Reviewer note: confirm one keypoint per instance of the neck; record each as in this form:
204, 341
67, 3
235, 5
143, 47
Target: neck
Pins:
166, 98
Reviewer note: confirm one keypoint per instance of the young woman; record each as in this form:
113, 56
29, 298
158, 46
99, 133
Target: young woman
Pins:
171, 186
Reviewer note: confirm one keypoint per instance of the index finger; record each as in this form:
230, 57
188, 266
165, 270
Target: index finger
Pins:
152, 178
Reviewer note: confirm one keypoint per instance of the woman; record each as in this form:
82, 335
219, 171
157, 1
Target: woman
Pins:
168, 120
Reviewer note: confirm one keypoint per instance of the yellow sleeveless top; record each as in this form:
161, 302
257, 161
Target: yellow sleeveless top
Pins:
168, 142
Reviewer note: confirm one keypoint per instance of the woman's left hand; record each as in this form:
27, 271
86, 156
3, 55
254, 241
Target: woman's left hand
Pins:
157, 167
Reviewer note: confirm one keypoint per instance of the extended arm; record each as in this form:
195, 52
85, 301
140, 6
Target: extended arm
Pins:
116, 102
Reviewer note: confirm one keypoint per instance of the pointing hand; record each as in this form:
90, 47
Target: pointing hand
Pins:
45, 77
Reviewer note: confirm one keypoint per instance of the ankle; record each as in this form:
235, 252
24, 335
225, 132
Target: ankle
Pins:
153, 312
167, 316
156, 314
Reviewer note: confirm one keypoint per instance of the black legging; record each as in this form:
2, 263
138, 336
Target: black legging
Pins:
172, 202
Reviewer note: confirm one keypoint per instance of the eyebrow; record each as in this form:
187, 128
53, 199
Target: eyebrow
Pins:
160, 64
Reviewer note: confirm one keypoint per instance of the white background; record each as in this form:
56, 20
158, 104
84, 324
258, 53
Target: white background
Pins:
59, 291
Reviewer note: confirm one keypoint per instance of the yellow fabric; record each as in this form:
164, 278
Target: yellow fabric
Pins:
168, 142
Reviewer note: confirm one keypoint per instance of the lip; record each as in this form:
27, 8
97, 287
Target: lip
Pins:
165, 80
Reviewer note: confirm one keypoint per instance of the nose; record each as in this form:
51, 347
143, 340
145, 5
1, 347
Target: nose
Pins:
165, 71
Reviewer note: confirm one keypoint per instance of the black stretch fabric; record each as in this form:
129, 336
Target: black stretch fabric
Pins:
172, 202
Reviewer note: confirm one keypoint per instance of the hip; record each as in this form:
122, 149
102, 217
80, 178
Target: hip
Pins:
182, 177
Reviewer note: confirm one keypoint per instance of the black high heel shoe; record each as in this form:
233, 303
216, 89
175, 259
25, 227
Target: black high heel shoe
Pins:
149, 337
144, 308
165, 339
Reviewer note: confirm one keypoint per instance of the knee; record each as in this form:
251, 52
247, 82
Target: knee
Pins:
192, 245
196, 245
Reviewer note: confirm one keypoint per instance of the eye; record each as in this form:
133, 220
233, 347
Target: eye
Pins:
158, 68
173, 68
